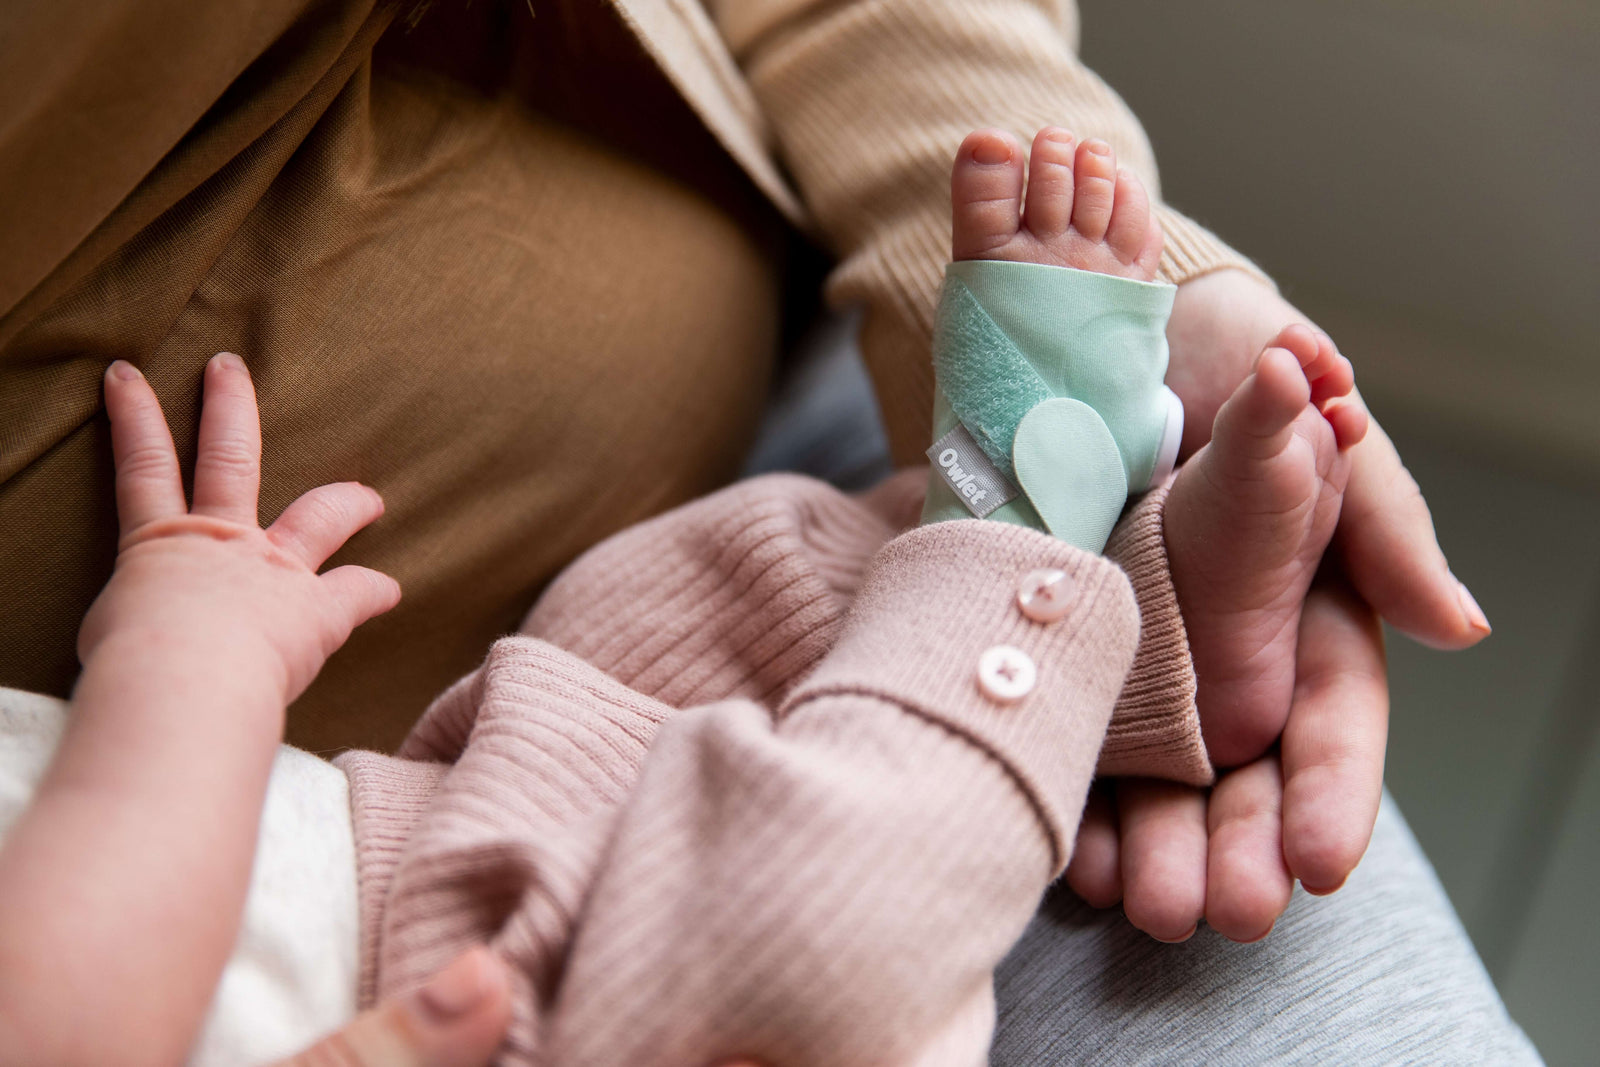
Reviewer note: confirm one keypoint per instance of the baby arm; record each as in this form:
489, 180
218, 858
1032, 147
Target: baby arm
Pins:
837, 886
122, 884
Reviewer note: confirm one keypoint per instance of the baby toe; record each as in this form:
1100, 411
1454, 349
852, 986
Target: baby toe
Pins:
1096, 171
1349, 420
1129, 229
985, 193
1269, 399
1330, 373
1302, 341
1050, 183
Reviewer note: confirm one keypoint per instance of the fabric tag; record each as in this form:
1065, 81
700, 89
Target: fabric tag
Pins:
969, 473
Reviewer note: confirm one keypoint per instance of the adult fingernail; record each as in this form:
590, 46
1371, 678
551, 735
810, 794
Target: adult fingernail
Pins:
228, 360
1475, 614
1178, 940
123, 370
457, 989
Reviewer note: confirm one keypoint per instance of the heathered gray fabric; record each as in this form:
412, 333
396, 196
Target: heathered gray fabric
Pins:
1379, 973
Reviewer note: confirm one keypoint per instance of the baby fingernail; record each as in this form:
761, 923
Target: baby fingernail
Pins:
457, 989
1475, 614
124, 370
228, 361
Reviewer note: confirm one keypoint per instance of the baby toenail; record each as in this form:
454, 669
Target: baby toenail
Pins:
1058, 136
991, 151
1099, 148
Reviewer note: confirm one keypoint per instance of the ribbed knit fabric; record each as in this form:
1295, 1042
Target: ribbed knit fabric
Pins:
772, 815
737, 598
801, 549
868, 101
513, 832
1155, 731
388, 800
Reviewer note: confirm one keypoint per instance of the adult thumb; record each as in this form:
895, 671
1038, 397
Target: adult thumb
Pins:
458, 1019
1386, 542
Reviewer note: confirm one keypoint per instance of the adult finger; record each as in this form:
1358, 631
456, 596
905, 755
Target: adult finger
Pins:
149, 484
1163, 826
1386, 541
1095, 872
227, 466
1247, 882
1333, 743
458, 1019
320, 521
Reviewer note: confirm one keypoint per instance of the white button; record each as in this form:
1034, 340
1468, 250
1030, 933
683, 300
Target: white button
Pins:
1006, 674
1046, 595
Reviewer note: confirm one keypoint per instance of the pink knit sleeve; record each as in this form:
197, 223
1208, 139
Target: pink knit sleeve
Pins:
835, 885
824, 854
1155, 730
801, 540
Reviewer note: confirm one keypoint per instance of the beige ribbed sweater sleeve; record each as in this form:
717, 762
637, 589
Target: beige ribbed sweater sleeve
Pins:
869, 99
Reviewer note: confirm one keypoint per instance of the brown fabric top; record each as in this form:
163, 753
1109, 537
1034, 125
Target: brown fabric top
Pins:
503, 267
523, 337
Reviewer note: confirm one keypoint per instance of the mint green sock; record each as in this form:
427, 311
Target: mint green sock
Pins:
1050, 409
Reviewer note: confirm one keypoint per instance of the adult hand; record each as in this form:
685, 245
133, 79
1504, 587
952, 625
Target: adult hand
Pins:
1220, 323
458, 1019
1174, 855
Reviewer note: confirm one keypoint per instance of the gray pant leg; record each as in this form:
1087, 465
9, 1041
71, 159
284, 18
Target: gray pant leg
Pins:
1379, 973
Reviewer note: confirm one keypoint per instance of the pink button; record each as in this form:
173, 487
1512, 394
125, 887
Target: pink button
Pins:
1046, 595
1006, 674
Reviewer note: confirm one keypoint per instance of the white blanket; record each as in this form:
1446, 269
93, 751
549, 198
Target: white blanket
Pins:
293, 973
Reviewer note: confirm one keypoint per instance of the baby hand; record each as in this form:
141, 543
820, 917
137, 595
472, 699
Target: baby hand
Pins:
206, 584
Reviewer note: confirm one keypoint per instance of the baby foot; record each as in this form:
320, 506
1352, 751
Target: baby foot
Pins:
1081, 212
1246, 524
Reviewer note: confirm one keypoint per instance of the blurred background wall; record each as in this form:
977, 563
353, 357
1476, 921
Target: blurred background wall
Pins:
1422, 178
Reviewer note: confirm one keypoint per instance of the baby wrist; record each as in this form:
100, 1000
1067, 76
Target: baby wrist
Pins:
160, 672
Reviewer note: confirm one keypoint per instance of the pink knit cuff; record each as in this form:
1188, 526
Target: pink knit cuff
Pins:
939, 597
1155, 730
388, 798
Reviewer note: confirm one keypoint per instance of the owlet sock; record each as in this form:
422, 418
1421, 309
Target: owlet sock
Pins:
1050, 410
